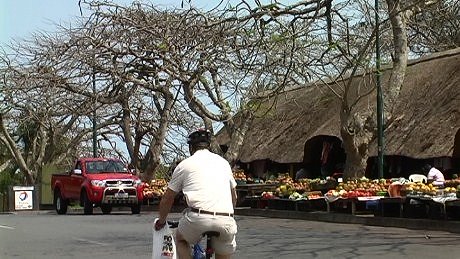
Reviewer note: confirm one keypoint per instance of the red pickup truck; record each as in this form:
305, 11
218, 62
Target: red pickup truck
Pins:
97, 182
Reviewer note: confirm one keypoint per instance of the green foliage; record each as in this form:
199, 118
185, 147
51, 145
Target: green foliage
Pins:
227, 106
8, 178
270, 7
278, 38
162, 171
27, 132
163, 46
203, 79
260, 108
333, 45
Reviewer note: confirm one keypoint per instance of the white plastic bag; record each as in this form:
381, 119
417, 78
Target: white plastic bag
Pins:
164, 246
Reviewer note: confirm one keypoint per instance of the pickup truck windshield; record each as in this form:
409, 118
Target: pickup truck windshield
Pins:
108, 166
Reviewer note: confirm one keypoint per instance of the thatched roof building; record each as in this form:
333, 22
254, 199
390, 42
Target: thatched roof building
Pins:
427, 117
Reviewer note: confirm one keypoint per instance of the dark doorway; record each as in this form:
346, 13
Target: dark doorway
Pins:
456, 153
323, 156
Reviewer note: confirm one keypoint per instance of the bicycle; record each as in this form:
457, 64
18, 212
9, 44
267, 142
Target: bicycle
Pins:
209, 250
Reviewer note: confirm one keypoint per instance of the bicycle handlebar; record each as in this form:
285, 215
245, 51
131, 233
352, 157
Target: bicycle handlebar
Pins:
173, 224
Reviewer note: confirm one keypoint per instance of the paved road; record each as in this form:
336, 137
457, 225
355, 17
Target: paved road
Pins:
122, 235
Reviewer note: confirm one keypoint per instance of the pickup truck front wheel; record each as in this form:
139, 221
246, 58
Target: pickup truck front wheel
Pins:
136, 209
60, 203
87, 204
106, 209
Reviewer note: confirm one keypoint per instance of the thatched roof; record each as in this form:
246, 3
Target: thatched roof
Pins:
427, 112
428, 109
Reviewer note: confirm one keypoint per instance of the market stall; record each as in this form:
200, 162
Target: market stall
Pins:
354, 205
357, 196
154, 190
284, 193
249, 194
381, 197
422, 200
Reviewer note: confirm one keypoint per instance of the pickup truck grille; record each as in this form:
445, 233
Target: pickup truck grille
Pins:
117, 183
120, 191
123, 195
112, 191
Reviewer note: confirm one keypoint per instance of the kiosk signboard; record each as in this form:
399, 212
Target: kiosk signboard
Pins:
23, 197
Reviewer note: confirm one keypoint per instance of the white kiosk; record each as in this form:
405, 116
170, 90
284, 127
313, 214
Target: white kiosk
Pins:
24, 197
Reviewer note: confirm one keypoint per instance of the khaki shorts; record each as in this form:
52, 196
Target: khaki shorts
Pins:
192, 225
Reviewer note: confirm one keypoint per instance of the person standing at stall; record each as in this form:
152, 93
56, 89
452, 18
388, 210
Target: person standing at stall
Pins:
434, 175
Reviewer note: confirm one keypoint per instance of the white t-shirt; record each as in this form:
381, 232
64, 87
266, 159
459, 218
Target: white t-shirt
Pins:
206, 179
436, 175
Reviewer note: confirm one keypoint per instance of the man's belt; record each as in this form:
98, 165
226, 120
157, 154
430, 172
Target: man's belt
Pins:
211, 212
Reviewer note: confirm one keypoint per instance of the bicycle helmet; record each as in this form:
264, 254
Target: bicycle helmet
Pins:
199, 136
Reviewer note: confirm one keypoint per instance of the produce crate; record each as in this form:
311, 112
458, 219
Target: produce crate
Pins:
436, 210
415, 208
390, 207
262, 203
319, 204
254, 202
249, 201
240, 182
341, 206
418, 211
281, 204
453, 209
352, 206
312, 205
304, 205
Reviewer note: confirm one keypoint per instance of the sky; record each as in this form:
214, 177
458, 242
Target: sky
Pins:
20, 18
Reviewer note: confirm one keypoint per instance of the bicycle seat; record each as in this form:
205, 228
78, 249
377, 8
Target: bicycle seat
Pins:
211, 233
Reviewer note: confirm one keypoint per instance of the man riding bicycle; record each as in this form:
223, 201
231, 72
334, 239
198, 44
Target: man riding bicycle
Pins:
207, 183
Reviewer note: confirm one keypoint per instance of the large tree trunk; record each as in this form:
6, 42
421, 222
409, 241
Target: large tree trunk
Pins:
15, 152
356, 148
400, 55
237, 134
357, 131
156, 145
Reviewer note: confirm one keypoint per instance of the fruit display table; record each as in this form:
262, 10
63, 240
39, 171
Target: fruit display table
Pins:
452, 209
391, 207
252, 191
282, 204
255, 188
318, 204
418, 206
421, 206
353, 205
381, 197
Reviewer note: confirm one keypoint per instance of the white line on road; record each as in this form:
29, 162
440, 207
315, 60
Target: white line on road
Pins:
3, 226
90, 242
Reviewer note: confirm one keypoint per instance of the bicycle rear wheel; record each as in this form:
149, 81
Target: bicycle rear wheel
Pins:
198, 252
